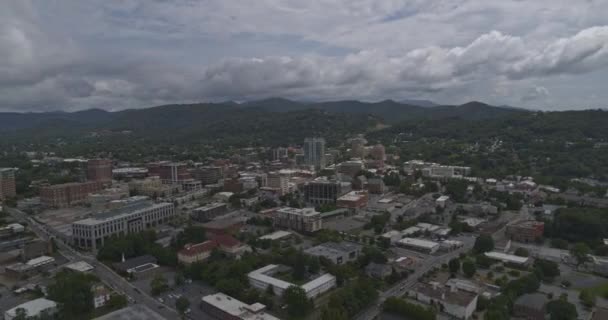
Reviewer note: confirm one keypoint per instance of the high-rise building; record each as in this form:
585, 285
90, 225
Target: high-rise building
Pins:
99, 170
314, 152
357, 147
378, 153
278, 154
279, 182
322, 191
170, 172
7, 183
208, 174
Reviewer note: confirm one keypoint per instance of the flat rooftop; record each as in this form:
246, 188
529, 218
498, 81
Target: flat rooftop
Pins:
80, 266
276, 235
506, 257
419, 243
238, 308
133, 312
307, 212
125, 211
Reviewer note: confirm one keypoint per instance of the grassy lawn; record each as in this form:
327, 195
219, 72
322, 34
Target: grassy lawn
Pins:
600, 290
288, 276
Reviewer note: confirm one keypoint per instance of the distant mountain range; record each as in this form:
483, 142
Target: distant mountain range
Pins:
180, 116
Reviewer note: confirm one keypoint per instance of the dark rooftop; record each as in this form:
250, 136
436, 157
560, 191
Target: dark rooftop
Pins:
535, 301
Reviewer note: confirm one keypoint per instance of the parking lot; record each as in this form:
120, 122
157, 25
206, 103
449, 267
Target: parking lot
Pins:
192, 290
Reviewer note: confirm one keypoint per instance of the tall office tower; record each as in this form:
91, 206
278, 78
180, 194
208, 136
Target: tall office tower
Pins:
357, 147
314, 152
7, 183
278, 154
99, 170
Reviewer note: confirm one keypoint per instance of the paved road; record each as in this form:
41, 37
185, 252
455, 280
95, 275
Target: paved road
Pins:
402, 287
105, 274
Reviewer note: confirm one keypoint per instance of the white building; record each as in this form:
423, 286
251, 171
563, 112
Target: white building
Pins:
441, 201
507, 258
277, 235
40, 261
101, 296
79, 266
134, 217
33, 308
459, 304
419, 245
222, 306
338, 253
262, 278
306, 219
393, 236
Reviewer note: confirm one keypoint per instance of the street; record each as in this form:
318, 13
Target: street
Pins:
402, 287
103, 272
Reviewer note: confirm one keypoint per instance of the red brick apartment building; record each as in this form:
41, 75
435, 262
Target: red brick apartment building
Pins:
64, 195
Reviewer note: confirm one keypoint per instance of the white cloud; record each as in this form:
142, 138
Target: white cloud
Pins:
79, 54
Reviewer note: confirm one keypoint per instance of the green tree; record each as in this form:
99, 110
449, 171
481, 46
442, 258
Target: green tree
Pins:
546, 269
408, 310
454, 265
334, 314
468, 268
483, 243
159, 284
522, 252
587, 298
298, 304
73, 293
179, 278
182, 304
561, 309
20, 314
580, 252
117, 301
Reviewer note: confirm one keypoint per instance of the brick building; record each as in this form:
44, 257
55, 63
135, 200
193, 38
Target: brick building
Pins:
353, 200
64, 195
99, 170
526, 231
7, 183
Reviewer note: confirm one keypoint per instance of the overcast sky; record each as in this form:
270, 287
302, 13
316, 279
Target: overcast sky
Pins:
79, 54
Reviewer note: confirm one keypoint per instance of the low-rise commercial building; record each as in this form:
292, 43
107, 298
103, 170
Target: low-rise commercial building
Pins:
353, 200
456, 303
223, 226
224, 307
441, 201
526, 231
425, 246
507, 258
33, 309
338, 253
530, 306
304, 220
192, 253
209, 211
153, 187
262, 279
137, 215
